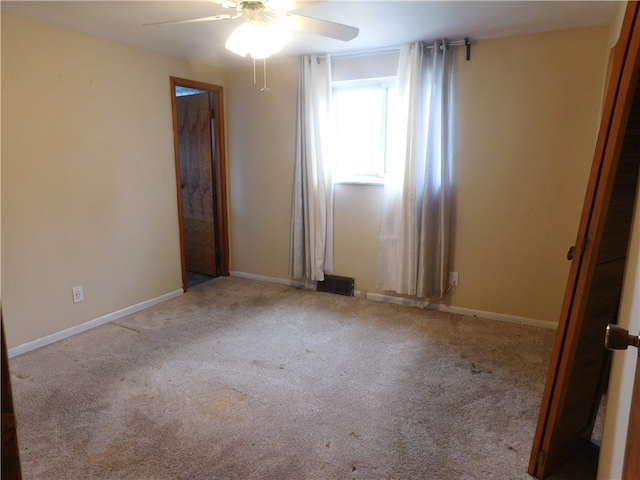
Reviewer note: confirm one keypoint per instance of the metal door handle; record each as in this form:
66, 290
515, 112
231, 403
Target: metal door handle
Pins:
618, 338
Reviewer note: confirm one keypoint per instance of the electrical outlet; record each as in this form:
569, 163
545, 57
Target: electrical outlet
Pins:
453, 279
78, 294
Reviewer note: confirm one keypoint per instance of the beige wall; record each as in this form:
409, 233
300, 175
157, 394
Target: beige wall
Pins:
88, 179
528, 114
260, 149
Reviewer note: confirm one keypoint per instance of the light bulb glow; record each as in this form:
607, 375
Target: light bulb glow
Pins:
259, 39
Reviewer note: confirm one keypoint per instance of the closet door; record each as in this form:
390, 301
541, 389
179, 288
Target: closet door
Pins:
11, 469
579, 364
197, 183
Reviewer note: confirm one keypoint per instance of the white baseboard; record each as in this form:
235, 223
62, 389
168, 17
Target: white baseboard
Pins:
308, 284
532, 322
459, 310
411, 302
61, 335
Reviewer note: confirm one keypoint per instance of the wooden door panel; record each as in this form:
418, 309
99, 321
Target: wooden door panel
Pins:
615, 236
196, 175
11, 469
579, 363
585, 357
199, 246
614, 242
584, 366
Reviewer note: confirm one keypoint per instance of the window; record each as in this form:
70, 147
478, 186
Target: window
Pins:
364, 113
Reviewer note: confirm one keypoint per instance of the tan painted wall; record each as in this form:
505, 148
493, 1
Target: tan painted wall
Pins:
528, 114
260, 150
88, 179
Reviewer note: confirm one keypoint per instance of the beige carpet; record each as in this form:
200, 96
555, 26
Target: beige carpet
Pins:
240, 379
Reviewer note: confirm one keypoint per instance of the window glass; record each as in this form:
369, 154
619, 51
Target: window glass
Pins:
364, 113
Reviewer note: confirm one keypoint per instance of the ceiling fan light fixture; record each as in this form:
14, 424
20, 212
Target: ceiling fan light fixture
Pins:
259, 39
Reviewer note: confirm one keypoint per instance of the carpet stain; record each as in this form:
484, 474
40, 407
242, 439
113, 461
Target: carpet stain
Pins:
112, 456
124, 326
478, 369
225, 400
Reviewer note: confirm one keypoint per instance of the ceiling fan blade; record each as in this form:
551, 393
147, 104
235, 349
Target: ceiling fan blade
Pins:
272, 5
193, 20
321, 27
228, 3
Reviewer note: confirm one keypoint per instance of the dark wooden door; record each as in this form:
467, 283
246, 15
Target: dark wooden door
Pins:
10, 453
196, 177
579, 367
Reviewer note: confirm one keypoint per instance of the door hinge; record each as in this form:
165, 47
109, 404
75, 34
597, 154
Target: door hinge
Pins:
213, 113
542, 456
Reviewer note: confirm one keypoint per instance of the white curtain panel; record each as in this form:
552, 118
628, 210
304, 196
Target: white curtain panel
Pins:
414, 232
311, 246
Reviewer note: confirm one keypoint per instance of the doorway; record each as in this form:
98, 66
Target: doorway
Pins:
198, 126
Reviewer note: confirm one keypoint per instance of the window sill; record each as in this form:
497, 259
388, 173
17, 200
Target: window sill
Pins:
360, 181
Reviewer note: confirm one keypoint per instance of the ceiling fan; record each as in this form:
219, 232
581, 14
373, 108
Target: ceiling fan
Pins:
265, 26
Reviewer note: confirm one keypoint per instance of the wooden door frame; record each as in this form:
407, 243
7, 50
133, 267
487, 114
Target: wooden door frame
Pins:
11, 468
219, 174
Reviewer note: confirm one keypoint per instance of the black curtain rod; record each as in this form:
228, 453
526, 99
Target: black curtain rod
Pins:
381, 51
457, 43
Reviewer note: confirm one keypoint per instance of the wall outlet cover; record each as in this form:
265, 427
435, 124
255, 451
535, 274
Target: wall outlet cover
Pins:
78, 294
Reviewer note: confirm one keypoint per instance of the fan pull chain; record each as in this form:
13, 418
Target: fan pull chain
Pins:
264, 75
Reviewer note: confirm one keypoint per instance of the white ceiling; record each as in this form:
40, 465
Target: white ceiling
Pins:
382, 24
